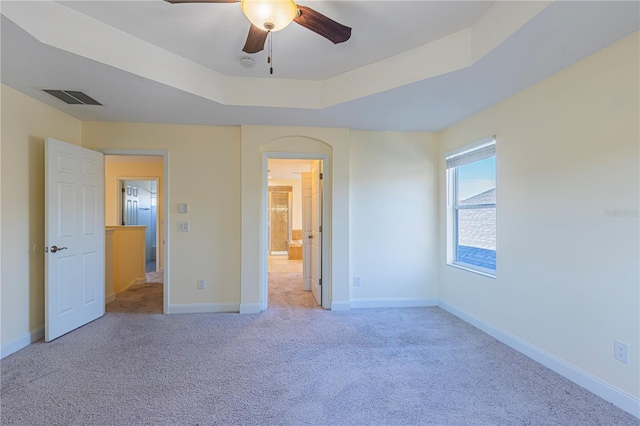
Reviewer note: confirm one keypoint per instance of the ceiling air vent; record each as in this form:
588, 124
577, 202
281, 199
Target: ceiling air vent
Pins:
73, 97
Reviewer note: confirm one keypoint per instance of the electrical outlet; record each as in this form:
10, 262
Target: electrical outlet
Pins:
201, 284
356, 280
621, 351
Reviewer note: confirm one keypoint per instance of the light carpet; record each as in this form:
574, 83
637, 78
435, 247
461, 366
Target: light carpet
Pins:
285, 292
154, 277
291, 365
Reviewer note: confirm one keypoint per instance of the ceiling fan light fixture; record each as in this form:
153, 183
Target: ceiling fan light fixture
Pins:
270, 15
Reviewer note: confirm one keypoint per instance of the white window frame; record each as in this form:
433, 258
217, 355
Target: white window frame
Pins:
464, 152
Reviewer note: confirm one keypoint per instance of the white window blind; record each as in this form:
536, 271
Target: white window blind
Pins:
478, 153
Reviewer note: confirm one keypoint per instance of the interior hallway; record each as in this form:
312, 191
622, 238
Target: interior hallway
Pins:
140, 298
285, 285
281, 264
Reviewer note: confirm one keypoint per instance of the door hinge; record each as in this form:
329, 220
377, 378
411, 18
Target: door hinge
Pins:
320, 230
122, 190
321, 176
320, 281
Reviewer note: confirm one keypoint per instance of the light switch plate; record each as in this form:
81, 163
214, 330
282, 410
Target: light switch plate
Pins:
184, 227
183, 208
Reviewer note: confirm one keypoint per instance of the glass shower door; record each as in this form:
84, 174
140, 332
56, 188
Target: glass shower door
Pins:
279, 221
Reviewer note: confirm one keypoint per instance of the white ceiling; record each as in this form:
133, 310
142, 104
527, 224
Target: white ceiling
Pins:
213, 34
409, 65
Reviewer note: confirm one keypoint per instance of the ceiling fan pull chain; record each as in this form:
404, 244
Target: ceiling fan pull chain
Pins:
270, 57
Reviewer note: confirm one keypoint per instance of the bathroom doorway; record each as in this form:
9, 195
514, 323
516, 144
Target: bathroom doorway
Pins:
290, 234
139, 201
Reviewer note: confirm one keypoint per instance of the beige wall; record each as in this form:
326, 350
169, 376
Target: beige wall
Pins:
204, 172
127, 257
567, 275
109, 291
25, 124
393, 217
117, 167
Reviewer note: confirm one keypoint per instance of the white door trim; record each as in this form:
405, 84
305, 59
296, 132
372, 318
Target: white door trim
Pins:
165, 209
326, 230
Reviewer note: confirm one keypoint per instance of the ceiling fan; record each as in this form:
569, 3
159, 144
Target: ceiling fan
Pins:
273, 15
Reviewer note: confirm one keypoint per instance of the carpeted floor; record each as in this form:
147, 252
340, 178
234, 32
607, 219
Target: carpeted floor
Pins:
154, 277
294, 364
285, 292
138, 299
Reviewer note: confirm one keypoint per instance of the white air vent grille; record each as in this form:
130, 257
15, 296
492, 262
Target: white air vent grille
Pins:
72, 97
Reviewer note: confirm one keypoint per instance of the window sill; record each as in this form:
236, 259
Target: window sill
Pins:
480, 271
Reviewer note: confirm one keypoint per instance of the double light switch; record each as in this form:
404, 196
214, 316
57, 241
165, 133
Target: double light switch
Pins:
183, 226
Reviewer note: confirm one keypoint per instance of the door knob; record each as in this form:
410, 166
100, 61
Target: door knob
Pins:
310, 236
56, 248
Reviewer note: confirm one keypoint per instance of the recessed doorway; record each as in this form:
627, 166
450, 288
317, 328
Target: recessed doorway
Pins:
294, 247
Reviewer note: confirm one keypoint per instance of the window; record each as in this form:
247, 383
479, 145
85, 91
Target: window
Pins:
471, 207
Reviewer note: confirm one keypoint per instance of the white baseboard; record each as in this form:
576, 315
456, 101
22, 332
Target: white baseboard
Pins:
249, 308
400, 302
619, 398
341, 306
109, 298
21, 342
202, 308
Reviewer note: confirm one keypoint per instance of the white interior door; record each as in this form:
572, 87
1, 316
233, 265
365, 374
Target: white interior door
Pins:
316, 235
130, 203
74, 237
306, 231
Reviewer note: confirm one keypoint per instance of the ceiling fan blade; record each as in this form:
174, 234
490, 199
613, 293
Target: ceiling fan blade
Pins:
255, 40
320, 24
201, 1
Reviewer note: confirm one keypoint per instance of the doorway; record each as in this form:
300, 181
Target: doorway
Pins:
294, 246
138, 207
143, 203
